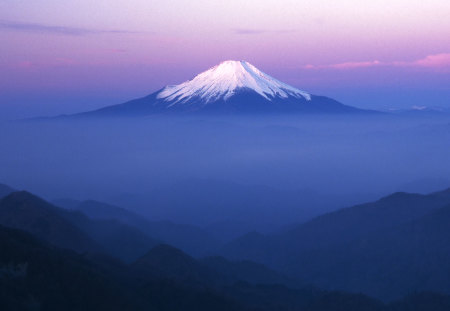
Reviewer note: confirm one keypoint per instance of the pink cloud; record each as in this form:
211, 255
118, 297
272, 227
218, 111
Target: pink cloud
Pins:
351, 65
25, 65
347, 65
437, 61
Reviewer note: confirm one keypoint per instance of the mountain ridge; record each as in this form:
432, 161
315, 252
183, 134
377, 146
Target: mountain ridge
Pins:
363, 248
232, 87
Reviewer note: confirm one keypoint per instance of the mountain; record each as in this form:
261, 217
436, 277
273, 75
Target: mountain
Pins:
247, 271
37, 276
5, 190
168, 262
410, 257
72, 229
117, 239
67, 203
226, 208
387, 248
230, 87
22, 210
258, 288
191, 239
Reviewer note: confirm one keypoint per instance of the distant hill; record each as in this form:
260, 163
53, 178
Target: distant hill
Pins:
73, 230
190, 239
226, 205
168, 262
5, 190
116, 238
24, 211
37, 276
248, 271
375, 248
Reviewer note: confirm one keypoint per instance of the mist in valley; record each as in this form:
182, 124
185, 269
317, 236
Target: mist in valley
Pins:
231, 174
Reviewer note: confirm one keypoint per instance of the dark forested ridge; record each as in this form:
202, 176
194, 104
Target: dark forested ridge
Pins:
46, 269
5, 190
189, 238
36, 276
388, 248
22, 210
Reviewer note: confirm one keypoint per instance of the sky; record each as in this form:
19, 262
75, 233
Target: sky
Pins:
75, 55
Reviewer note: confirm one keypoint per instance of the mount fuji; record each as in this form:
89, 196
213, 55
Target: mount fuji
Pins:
230, 87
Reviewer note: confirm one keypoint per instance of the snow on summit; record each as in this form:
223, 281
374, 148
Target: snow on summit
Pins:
222, 81
232, 87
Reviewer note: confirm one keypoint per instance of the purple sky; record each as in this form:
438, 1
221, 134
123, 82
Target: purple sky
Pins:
69, 56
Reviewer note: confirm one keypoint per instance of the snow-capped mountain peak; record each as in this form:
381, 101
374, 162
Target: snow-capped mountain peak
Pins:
232, 87
224, 80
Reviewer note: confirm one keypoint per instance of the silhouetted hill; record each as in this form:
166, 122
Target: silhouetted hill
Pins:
22, 210
344, 225
421, 302
66, 203
99, 210
190, 239
277, 297
118, 239
412, 257
247, 271
73, 229
168, 262
252, 246
209, 201
362, 220
34, 276
388, 248
251, 285
5, 190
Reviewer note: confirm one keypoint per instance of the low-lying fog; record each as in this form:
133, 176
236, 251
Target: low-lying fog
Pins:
206, 170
